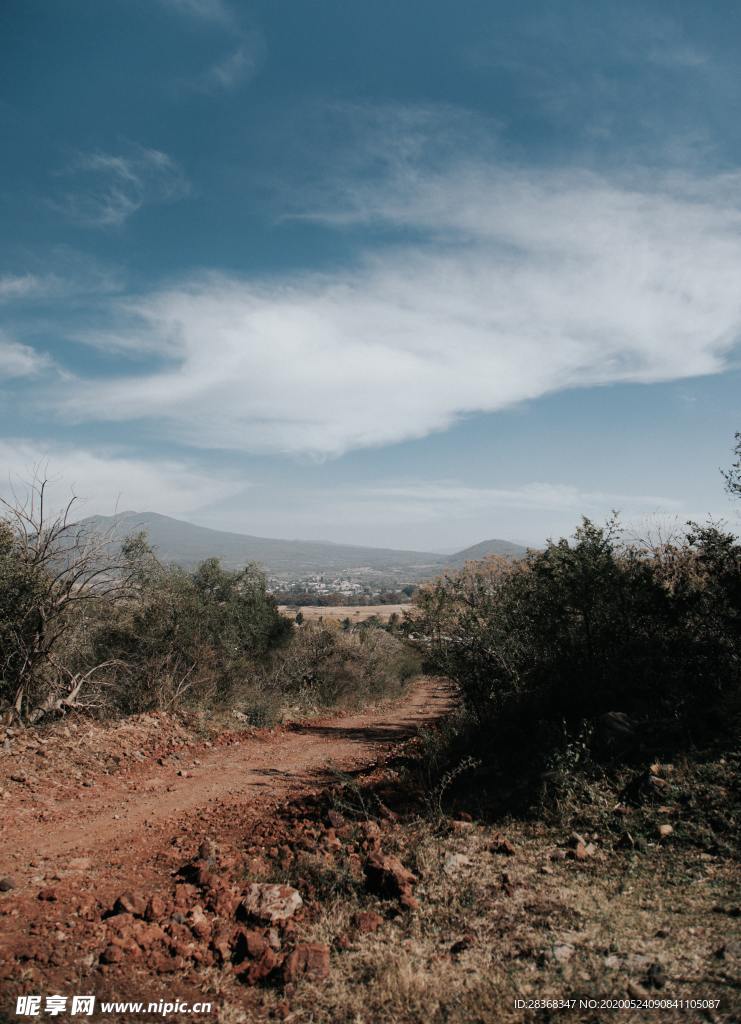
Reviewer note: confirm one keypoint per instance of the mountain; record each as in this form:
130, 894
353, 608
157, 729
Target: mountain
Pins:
484, 549
187, 545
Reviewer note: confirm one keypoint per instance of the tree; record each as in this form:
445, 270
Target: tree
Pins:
732, 476
51, 567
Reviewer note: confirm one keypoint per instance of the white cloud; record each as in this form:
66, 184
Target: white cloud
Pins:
18, 360
20, 286
516, 285
204, 10
448, 500
237, 67
60, 272
111, 187
109, 481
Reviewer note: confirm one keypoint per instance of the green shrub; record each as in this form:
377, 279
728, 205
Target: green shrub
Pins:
324, 664
188, 636
592, 649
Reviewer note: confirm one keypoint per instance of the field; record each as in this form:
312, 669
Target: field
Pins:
355, 613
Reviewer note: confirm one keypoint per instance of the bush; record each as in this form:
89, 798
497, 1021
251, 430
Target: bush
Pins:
87, 622
324, 664
592, 648
187, 637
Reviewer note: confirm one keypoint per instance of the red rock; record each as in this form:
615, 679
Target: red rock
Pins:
503, 846
331, 840
309, 959
155, 909
50, 895
267, 964
371, 831
164, 964
185, 895
221, 944
182, 949
386, 875
367, 921
129, 903
112, 955
207, 850
408, 901
120, 922
147, 935
206, 878
126, 944
270, 903
248, 943
223, 902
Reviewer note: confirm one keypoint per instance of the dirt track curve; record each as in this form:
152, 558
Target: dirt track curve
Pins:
253, 772
120, 830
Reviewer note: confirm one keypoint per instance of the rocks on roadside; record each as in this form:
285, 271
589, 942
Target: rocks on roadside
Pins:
387, 877
129, 903
270, 903
579, 848
367, 921
502, 845
308, 959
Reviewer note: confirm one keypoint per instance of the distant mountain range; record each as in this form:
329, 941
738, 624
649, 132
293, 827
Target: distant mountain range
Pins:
187, 545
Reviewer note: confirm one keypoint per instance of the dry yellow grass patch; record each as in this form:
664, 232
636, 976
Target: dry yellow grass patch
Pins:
495, 929
355, 613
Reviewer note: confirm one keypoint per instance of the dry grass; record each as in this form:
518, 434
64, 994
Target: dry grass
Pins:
660, 921
538, 929
355, 613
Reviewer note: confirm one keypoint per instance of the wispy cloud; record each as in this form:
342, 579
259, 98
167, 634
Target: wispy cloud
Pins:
518, 284
21, 286
18, 360
58, 271
108, 188
234, 69
449, 500
202, 10
104, 480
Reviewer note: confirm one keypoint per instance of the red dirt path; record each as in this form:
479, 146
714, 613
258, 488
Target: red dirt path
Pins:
130, 830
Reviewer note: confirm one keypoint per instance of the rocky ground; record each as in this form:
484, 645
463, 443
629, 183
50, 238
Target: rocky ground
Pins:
339, 897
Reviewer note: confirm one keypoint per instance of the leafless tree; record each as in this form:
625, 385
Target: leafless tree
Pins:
59, 566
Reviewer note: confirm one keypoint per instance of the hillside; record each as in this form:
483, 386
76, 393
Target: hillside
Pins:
186, 544
484, 549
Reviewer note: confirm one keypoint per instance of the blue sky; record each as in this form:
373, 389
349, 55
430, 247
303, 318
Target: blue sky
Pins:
410, 274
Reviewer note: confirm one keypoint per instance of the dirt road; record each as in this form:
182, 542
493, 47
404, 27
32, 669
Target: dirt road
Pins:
113, 812
69, 850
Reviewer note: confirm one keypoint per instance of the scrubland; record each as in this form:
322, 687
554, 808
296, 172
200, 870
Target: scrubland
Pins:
563, 845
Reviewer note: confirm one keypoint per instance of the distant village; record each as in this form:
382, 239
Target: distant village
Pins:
357, 586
